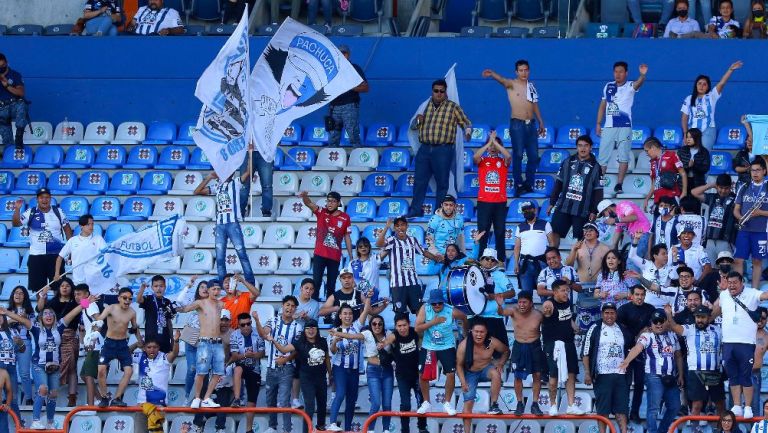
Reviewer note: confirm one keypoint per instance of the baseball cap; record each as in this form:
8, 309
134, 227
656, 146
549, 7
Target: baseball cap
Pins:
435, 296
449, 198
701, 311
527, 205
659, 316
723, 255
310, 323
592, 226
345, 271
225, 314
608, 306
603, 205
344, 49
687, 229
42, 191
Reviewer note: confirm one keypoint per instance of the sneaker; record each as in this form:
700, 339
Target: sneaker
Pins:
236, 403
195, 403
738, 411
296, 404
266, 213
37, 425
424, 408
520, 409
523, 189
553, 410
449, 409
494, 409
748, 412
103, 402
270, 430
535, 409
333, 427
574, 410
51, 426
209, 403
118, 402
618, 189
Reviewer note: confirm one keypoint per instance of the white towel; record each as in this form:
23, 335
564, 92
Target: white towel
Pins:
562, 364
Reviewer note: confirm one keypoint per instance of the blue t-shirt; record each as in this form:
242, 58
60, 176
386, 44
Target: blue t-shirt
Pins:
439, 337
501, 284
445, 231
14, 79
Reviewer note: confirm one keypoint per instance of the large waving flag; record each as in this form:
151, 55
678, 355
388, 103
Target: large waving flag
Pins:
299, 72
223, 128
759, 124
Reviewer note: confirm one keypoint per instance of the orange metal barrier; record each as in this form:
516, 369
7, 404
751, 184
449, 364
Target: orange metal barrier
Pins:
711, 418
598, 418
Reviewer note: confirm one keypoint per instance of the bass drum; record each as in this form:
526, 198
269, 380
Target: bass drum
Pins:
464, 289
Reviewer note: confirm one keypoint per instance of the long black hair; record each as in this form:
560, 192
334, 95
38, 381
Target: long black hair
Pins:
446, 261
605, 271
26, 303
695, 92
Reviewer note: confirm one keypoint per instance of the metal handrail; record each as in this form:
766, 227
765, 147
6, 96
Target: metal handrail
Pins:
684, 419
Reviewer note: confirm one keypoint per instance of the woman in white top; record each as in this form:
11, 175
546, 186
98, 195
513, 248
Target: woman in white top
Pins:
381, 375
366, 268
612, 285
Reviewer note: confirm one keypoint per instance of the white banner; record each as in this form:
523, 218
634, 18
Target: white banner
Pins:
299, 72
223, 128
135, 252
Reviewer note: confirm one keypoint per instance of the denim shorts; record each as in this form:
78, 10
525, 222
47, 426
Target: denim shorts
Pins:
210, 357
475, 377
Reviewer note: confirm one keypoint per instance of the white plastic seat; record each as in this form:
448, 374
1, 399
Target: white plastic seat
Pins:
294, 210
613, 163
331, 159
265, 311
257, 217
278, 235
643, 164
191, 235
543, 403
166, 207
207, 236
347, 184
196, 261
559, 426
210, 425
590, 426
525, 425
252, 235
179, 376
67, 133
98, 133
130, 133
275, 288
294, 262
315, 184
490, 426
306, 236
185, 182
85, 424
285, 183
40, 134
609, 182
114, 374
200, 209
452, 425
165, 267
181, 423
263, 262
636, 186
363, 159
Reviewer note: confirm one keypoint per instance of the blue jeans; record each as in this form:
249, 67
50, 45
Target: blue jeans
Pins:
189, 380
658, 393
381, 385
15, 111
347, 116
265, 170
667, 7
313, 5
529, 273
51, 381
23, 370
431, 161
347, 382
279, 382
101, 24
4, 419
524, 137
708, 136
231, 231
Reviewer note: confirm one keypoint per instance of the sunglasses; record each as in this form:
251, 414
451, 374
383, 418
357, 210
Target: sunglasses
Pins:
48, 314
438, 91
377, 324
658, 322
436, 304
243, 325
126, 298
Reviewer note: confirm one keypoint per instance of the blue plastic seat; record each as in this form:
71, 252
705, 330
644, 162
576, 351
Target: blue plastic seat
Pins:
469, 162
361, 209
124, 183
7, 204
105, 208
173, 158
466, 208
469, 231
28, 182
6, 181
291, 135
344, 142
471, 185
198, 160
136, 209
117, 230
391, 208
547, 139
602, 30
299, 159
160, 133
567, 135
186, 130
97, 230
279, 159
62, 182
402, 136
79, 156
16, 158
639, 135
74, 207
315, 135
514, 213
511, 185
394, 159
731, 137
155, 183
18, 237
92, 182
371, 232
479, 135
380, 135
671, 136
48, 156
542, 186
141, 157
721, 162
377, 185
110, 156
529, 10
3, 238
404, 186
543, 215
9, 260
551, 159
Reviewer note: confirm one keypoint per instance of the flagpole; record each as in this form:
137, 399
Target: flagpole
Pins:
250, 179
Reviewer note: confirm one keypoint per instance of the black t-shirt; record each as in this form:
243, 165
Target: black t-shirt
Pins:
62, 309
710, 286
405, 351
635, 318
559, 325
151, 305
310, 358
354, 300
350, 96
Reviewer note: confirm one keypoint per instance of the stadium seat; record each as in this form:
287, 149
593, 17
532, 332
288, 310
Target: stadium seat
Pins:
207, 236
7, 180
130, 133
198, 160
466, 208
200, 209
417, 232
602, 30
86, 424
639, 135
542, 187
7, 205
638, 186
291, 135
613, 164
67, 132
263, 261
119, 423
377, 185
294, 210
479, 135
160, 133
363, 159
380, 135
79, 156
670, 136
117, 230
372, 231
207, 10
97, 133
528, 10
232, 262
347, 30
62, 182
28, 182
547, 138
185, 182
124, 183
469, 163
39, 133
306, 235
74, 207
402, 136
196, 261
511, 32
294, 262
155, 183
173, 158
105, 208
643, 164
721, 162
476, 32
278, 235
9, 260
404, 185
330, 159
50, 156
551, 159
391, 208
315, 135
252, 235
361, 209
110, 156
165, 207
298, 159
92, 183
279, 159
220, 30
16, 158
273, 289
316, 184
17, 237
730, 137
184, 136
514, 212
24, 30
550, 32
471, 185
567, 135
266, 30
347, 184
190, 236
285, 183
141, 157
639, 30
395, 160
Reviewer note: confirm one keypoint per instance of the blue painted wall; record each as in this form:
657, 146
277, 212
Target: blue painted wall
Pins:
129, 78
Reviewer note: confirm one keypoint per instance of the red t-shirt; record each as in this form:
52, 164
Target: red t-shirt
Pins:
492, 174
331, 229
667, 163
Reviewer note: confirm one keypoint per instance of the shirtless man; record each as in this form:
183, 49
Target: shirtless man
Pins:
524, 102
117, 316
760, 348
479, 366
5, 404
587, 254
210, 345
526, 350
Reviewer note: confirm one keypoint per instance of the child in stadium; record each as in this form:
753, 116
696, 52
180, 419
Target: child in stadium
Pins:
159, 313
155, 370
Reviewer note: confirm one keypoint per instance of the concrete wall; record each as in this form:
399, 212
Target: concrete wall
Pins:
153, 78
43, 12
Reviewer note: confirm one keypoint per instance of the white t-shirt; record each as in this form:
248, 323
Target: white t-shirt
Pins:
738, 327
81, 249
610, 350
149, 21
618, 104
153, 375
688, 25
370, 344
533, 237
651, 273
46, 234
702, 115
93, 340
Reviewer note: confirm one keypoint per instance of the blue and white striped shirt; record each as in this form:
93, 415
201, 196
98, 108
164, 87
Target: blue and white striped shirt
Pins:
348, 351
7, 346
151, 22
46, 343
283, 333
702, 114
227, 200
660, 352
703, 347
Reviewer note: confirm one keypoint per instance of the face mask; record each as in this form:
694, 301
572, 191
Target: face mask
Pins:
758, 13
529, 215
664, 210
682, 13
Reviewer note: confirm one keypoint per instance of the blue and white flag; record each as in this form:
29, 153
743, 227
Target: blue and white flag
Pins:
135, 252
299, 72
759, 123
223, 128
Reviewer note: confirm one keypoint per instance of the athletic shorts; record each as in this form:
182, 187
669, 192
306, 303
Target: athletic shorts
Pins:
738, 359
612, 394
698, 392
614, 138
446, 358
116, 349
754, 244
571, 359
538, 361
